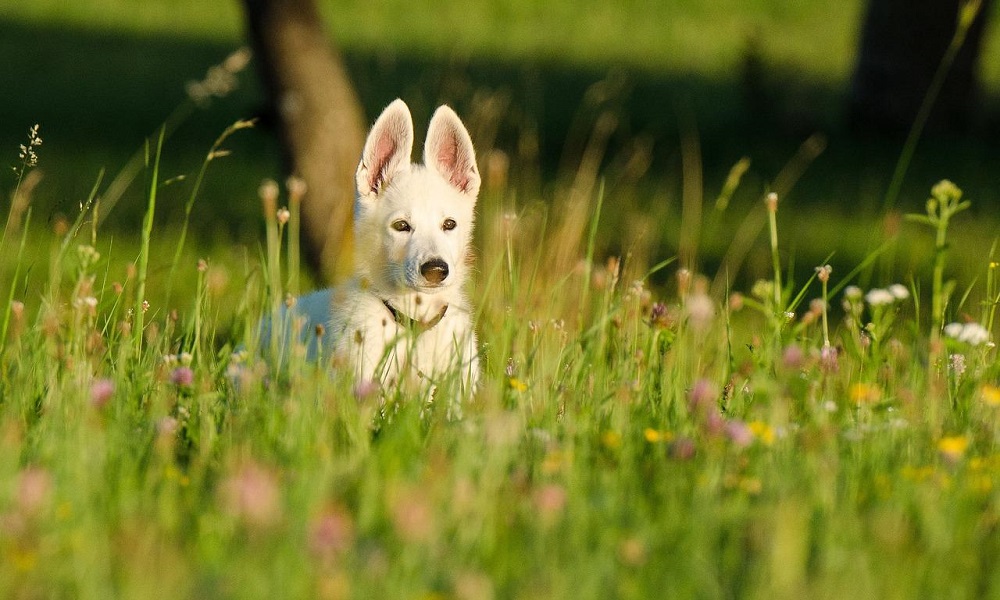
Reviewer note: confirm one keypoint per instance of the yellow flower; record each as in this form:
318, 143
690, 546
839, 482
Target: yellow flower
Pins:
517, 385
611, 440
653, 436
990, 395
762, 431
953, 447
865, 393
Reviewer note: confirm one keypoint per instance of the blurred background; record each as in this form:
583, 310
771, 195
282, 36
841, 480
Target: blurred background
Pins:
652, 102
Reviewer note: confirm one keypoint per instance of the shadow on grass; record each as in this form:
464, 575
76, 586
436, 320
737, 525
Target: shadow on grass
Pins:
98, 95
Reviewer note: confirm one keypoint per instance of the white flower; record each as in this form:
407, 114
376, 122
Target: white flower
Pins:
879, 297
899, 291
953, 330
852, 292
973, 334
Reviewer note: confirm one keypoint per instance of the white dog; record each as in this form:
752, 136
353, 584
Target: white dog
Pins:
405, 313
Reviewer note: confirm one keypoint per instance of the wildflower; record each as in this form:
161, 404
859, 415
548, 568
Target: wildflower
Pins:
658, 315
145, 306
771, 202
182, 377
611, 440
365, 389
990, 395
823, 273
828, 359
34, 488
864, 393
957, 364
17, 309
268, 192
700, 310
739, 433
735, 301
762, 431
283, 215
251, 494
517, 385
88, 255
899, 291
952, 448
202, 265
973, 334
654, 436
101, 391
296, 187
703, 396
793, 358
167, 426
185, 358
879, 297
331, 533
550, 501
683, 449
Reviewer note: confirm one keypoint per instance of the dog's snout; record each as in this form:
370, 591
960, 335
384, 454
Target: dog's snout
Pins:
434, 271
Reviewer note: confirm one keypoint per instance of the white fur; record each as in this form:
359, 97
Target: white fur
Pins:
360, 331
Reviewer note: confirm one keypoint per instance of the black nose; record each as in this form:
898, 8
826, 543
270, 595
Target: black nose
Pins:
434, 270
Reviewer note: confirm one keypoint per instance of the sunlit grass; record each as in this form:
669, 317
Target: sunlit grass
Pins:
629, 438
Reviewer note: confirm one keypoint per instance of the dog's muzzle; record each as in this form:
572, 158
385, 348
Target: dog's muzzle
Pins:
434, 271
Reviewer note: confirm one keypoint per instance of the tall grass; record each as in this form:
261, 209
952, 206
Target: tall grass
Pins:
627, 440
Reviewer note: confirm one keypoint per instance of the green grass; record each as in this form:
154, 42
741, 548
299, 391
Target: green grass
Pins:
624, 442
632, 437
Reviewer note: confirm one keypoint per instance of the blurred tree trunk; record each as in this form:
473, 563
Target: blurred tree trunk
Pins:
902, 44
318, 118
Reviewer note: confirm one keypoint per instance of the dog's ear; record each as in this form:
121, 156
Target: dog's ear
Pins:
387, 149
448, 151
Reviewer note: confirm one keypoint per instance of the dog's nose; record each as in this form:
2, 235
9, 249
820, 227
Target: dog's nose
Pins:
434, 270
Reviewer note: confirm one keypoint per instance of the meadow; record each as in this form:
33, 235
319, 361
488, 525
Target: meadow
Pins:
765, 425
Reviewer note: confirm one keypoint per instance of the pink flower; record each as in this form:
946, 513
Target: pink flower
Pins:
251, 494
331, 533
683, 449
101, 391
366, 389
828, 359
182, 377
703, 396
739, 433
34, 487
793, 357
550, 501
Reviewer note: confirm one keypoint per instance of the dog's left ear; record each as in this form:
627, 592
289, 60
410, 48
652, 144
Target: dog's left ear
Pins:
448, 151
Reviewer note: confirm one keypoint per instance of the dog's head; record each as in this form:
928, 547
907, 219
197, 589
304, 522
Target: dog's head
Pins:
413, 223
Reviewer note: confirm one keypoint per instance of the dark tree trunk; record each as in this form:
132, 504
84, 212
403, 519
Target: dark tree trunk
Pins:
318, 118
902, 44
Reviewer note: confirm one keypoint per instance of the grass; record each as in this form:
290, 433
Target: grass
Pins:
642, 430
625, 441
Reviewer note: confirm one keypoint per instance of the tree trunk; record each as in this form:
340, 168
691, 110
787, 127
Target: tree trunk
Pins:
902, 44
318, 118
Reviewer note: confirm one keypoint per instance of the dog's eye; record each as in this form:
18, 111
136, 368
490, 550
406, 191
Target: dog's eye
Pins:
401, 225
449, 224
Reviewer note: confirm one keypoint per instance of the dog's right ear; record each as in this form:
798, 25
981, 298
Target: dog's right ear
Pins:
387, 149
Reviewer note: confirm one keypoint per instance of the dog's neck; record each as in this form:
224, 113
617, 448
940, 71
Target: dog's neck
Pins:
416, 310
416, 325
